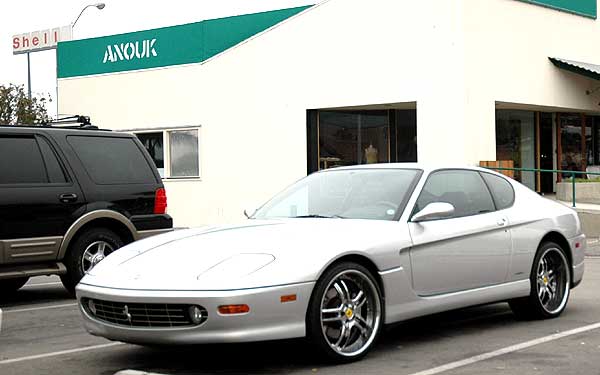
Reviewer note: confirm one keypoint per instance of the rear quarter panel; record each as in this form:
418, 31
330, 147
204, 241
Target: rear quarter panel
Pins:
531, 218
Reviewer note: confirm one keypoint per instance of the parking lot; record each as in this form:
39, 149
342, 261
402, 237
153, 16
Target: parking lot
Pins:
42, 334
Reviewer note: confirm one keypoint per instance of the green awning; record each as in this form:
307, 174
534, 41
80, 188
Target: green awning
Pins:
585, 69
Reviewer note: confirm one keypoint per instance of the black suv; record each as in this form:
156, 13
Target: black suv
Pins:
71, 196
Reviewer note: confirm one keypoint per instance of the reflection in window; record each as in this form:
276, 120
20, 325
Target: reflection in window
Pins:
153, 142
515, 132
184, 156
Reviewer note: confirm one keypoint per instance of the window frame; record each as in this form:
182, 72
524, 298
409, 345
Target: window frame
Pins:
166, 134
477, 172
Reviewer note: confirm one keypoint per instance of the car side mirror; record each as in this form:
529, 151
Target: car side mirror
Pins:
434, 211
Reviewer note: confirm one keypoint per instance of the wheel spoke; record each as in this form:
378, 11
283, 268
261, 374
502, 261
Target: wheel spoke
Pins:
343, 333
101, 247
88, 256
358, 299
339, 291
336, 318
333, 311
347, 296
363, 326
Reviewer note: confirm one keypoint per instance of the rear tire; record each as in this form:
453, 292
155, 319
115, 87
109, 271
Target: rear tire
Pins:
10, 286
550, 285
88, 249
345, 314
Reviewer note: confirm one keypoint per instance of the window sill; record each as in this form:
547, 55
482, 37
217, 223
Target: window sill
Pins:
188, 179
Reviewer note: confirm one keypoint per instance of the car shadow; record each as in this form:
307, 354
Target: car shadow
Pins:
34, 295
297, 355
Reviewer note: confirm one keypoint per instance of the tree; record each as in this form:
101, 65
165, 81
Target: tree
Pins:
16, 108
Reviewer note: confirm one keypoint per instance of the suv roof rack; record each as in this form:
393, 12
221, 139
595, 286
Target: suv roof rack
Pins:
83, 121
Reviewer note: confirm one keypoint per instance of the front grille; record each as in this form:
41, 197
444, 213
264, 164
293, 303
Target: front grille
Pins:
143, 314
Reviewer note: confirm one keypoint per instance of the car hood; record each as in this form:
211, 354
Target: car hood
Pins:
257, 253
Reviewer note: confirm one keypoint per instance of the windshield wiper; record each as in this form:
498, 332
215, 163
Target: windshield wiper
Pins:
318, 217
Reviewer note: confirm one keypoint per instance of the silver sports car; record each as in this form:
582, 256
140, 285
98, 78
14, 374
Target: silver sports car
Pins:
339, 254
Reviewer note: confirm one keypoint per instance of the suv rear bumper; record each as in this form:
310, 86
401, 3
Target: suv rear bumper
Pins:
145, 223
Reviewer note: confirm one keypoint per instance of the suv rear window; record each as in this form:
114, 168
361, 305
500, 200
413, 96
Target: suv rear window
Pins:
112, 160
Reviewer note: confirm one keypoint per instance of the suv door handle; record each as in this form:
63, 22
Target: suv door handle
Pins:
501, 221
68, 198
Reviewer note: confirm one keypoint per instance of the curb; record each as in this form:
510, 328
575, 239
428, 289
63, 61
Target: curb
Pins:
136, 372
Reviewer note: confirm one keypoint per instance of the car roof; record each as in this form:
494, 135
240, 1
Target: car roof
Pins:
426, 167
62, 129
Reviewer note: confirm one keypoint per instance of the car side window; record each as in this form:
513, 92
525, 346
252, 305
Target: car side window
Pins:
21, 161
463, 189
502, 191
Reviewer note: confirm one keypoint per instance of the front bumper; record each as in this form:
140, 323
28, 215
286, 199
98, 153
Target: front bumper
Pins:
268, 319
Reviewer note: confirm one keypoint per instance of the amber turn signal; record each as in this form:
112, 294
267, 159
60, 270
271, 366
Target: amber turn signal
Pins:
233, 309
288, 298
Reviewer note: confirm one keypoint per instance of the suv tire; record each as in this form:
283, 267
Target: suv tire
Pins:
12, 285
105, 240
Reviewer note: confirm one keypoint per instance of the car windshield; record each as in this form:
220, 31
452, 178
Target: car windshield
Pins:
378, 194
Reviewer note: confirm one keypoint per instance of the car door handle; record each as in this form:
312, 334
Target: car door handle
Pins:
501, 222
68, 198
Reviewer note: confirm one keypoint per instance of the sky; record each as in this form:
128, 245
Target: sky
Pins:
119, 16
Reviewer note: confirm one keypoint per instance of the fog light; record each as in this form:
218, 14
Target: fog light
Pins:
196, 314
92, 306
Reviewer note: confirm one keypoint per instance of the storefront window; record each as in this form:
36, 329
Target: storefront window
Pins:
592, 140
515, 140
153, 142
571, 142
353, 137
182, 155
406, 135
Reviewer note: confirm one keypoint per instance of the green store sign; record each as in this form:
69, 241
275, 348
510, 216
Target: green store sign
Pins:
176, 45
585, 8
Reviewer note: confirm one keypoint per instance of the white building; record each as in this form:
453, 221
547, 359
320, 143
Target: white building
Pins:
240, 107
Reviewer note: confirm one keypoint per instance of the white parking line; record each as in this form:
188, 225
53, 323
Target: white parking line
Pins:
39, 308
508, 349
62, 352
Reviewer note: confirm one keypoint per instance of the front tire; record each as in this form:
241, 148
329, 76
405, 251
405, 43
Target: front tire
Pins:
345, 314
550, 285
87, 250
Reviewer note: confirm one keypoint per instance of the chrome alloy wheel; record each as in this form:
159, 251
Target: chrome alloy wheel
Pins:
553, 279
94, 254
350, 313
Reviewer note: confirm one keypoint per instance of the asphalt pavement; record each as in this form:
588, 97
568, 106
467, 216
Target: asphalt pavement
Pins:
42, 334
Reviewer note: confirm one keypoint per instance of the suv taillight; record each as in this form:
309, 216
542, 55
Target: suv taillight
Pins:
160, 201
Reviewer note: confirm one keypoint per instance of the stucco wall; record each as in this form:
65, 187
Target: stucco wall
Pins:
251, 101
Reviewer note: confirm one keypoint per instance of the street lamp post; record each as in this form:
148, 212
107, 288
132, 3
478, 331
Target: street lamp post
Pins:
99, 6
